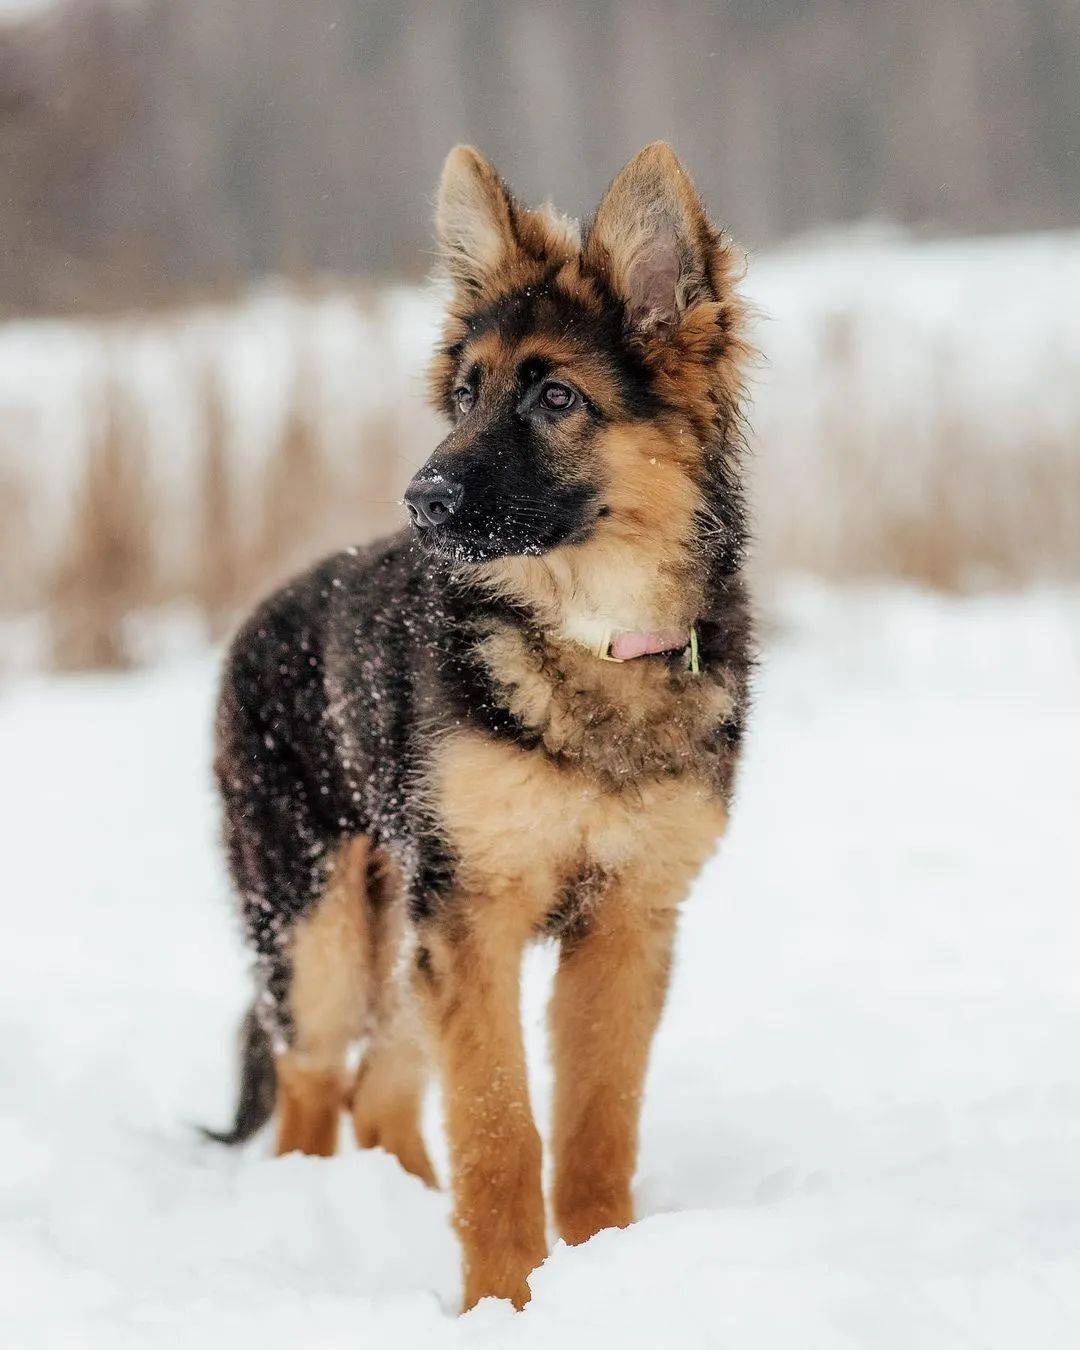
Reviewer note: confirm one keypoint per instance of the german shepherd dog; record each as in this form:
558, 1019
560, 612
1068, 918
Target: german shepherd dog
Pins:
518, 718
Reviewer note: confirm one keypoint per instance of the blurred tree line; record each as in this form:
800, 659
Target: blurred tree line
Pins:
152, 150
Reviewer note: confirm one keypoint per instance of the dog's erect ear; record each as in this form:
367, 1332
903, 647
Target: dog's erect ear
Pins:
651, 240
474, 218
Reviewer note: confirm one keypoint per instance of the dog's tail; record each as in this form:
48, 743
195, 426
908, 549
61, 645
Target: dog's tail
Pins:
258, 1085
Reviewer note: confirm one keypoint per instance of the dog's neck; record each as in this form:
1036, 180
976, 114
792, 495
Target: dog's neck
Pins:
588, 595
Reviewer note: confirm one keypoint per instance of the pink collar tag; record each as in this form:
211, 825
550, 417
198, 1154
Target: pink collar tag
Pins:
628, 645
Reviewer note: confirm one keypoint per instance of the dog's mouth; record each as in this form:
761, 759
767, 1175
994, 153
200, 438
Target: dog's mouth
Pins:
480, 542
456, 525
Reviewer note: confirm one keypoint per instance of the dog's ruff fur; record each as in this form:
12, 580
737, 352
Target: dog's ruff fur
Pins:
424, 764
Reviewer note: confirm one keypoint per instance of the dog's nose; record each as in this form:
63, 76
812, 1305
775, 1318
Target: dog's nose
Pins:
432, 501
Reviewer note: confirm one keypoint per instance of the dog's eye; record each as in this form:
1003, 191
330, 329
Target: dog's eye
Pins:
558, 397
464, 398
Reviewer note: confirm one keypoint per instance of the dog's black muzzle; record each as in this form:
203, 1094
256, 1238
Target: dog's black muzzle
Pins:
432, 501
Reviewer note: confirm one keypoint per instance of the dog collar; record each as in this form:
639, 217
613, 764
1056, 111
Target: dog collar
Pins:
624, 646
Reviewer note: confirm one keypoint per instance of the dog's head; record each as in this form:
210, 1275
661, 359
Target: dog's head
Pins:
592, 384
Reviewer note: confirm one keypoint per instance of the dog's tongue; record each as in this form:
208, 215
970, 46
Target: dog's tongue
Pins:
628, 645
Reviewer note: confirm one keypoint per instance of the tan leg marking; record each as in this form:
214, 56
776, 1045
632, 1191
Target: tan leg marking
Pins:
328, 998
520, 824
609, 993
469, 982
309, 1105
389, 1093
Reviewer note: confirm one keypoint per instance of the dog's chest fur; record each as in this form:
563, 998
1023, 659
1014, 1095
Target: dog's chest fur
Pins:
613, 774
620, 723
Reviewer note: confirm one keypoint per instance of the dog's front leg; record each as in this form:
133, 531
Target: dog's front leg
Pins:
609, 992
468, 971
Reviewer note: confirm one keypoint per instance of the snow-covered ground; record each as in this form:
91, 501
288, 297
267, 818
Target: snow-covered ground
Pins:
863, 1121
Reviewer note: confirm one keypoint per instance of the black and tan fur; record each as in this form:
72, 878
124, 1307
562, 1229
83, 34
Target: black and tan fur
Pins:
425, 765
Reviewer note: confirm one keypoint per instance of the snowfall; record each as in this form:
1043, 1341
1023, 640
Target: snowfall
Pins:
862, 1125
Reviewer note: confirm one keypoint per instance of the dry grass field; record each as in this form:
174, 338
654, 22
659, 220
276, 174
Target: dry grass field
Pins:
915, 415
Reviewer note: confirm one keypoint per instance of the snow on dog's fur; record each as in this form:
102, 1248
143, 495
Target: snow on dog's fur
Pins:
426, 760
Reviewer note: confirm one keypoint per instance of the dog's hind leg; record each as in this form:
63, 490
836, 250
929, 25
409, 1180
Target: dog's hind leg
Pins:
389, 1093
329, 996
